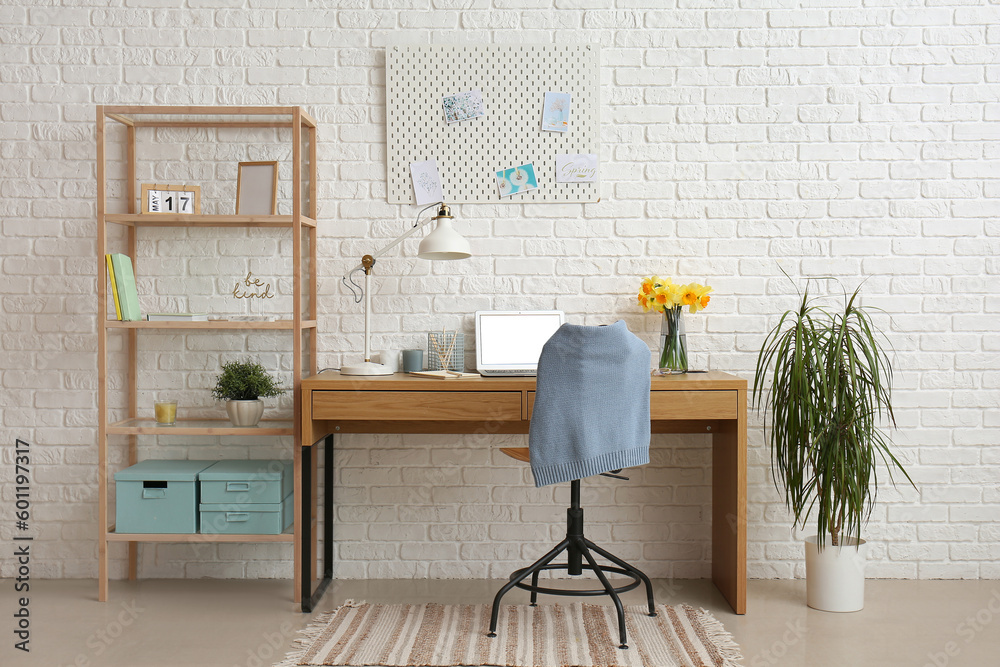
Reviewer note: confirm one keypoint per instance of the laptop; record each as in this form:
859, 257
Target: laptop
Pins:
509, 342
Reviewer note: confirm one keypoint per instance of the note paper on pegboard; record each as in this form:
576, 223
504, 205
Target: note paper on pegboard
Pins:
513, 80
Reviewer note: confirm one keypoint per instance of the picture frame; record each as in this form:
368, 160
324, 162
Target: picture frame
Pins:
170, 199
257, 188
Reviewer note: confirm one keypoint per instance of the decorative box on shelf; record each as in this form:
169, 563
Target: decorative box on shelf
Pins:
156, 496
246, 497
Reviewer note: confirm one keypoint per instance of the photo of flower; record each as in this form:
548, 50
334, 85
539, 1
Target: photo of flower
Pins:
516, 179
555, 112
426, 181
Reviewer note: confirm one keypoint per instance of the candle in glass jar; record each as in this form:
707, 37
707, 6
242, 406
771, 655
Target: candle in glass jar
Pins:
166, 412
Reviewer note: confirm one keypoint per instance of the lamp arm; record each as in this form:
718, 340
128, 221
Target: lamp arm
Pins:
348, 279
402, 237
399, 239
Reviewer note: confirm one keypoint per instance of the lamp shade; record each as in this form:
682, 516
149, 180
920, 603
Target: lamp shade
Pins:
444, 243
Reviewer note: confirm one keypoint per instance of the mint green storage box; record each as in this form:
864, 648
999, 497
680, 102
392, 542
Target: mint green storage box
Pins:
157, 496
241, 482
248, 518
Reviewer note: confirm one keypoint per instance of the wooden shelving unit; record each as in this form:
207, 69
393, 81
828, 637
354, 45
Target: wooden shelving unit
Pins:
302, 324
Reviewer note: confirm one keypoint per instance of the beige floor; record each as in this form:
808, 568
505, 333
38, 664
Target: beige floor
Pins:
215, 623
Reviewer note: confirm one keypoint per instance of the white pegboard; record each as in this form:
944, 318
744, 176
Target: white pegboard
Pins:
513, 80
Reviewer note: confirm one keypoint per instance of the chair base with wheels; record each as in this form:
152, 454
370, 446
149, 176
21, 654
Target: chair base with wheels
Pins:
578, 548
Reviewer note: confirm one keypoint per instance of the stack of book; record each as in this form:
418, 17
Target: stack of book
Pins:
126, 298
123, 287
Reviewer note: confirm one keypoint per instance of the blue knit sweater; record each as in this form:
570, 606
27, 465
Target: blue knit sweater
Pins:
591, 411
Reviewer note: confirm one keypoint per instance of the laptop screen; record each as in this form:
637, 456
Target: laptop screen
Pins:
512, 341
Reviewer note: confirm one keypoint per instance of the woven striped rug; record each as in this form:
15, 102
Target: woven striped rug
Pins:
575, 635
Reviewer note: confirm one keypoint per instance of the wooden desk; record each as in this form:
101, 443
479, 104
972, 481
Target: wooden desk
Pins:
713, 402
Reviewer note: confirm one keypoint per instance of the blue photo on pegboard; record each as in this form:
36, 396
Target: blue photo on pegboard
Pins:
516, 179
555, 113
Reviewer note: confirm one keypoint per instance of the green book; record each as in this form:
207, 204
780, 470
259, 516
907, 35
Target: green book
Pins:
128, 297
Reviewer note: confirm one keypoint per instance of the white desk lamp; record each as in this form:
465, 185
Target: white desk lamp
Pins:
442, 243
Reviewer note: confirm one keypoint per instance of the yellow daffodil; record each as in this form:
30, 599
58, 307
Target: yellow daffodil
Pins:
703, 297
662, 294
695, 296
689, 296
645, 302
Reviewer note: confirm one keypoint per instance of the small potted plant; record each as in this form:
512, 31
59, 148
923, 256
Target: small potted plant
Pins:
241, 384
828, 401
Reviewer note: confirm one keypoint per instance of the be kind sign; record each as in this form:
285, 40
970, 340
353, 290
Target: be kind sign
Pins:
579, 168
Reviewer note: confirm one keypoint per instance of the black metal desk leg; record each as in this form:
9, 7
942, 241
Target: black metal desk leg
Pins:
312, 596
327, 509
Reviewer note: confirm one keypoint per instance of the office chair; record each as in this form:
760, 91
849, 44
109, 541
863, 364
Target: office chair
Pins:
590, 417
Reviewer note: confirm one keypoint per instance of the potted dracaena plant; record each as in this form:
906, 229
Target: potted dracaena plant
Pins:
829, 398
241, 384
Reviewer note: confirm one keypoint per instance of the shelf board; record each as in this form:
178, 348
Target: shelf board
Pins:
191, 220
213, 116
283, 325
139, 426
112, 536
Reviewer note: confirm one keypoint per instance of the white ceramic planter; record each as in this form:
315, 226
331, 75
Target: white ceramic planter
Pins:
835, 576
245, 413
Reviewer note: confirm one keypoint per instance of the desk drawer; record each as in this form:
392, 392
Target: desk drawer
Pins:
668, 405
665, 405
417, 405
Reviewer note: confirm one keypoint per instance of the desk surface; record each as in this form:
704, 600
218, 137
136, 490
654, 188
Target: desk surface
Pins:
334, 380
335, 403
714, 403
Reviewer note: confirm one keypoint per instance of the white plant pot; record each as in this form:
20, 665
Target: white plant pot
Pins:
245, 413
835, 576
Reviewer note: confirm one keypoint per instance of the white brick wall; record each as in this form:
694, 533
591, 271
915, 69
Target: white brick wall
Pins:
858, 140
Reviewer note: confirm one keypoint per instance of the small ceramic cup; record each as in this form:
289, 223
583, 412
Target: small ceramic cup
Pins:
413, 360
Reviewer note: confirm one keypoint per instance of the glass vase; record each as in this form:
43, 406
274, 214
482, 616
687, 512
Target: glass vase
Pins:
673, 343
